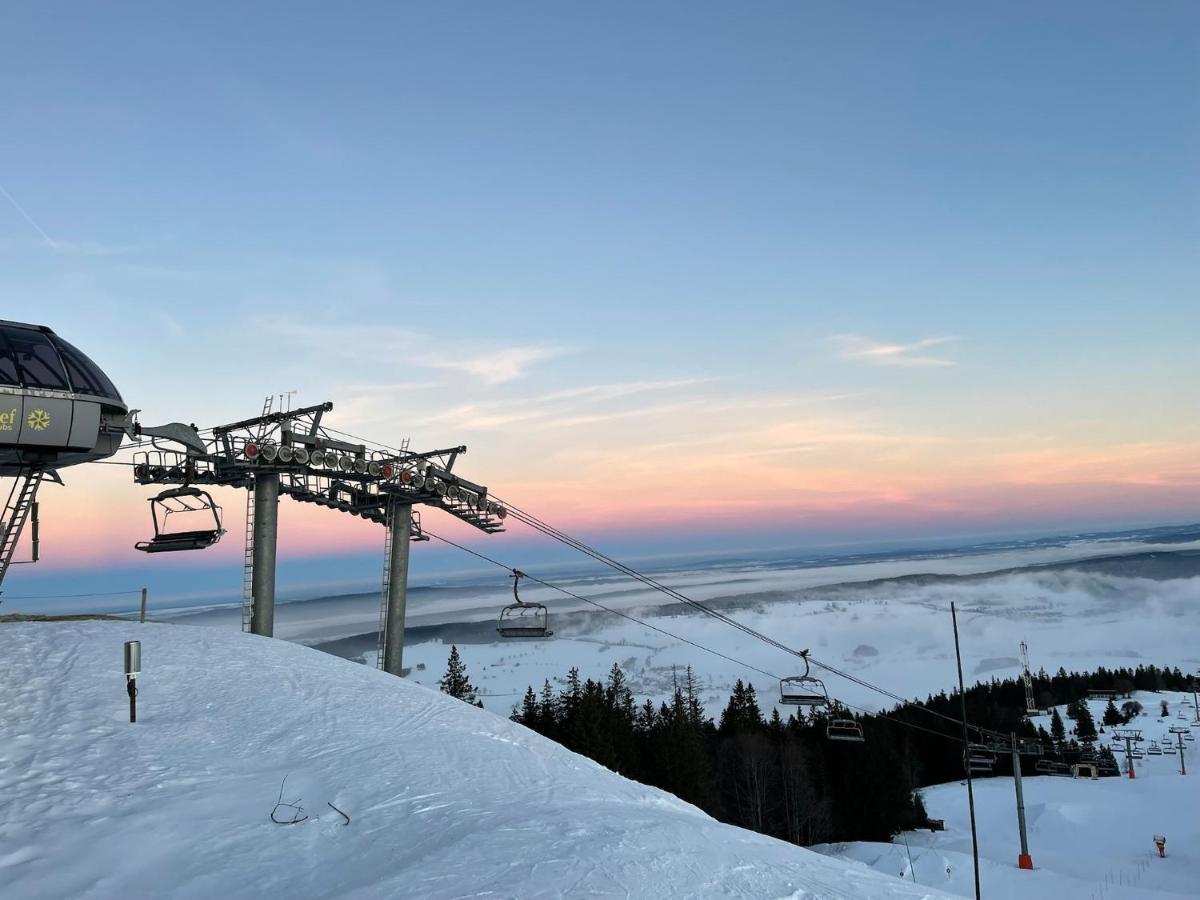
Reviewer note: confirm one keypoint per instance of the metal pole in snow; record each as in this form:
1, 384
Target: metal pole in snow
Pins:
1024, 861
1182, 764
133, 668
400, 523
962, 697
142, 619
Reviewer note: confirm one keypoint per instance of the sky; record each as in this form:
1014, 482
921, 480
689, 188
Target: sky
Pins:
683, 277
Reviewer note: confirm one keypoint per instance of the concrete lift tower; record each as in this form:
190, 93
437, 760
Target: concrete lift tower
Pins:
291, 453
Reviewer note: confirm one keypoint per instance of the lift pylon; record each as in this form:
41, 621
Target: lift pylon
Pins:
290, 453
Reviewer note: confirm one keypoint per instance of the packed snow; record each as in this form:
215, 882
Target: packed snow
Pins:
1090, 840
444, 800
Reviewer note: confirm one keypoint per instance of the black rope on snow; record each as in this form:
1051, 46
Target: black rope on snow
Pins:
338, 811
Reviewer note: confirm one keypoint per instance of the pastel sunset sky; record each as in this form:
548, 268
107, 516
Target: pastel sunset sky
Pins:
683, 277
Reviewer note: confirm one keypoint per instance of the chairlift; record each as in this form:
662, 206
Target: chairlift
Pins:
803, 690
844, 730
998, 744
1153, 749
1060, 768
1029, 747
1169, 749
188, 500
979, 758
1044, 766
523, 620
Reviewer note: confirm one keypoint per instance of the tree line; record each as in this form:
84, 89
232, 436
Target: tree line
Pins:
783, 777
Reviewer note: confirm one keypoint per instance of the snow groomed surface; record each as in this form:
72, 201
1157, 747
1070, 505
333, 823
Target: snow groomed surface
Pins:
444, 800
1090, 840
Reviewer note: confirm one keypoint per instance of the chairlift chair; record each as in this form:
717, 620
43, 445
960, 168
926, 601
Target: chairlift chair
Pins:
803, 690
1029, 747
979, 758
523, 620
1169, 749
844, 730
998, 744
185, 499
1044, 766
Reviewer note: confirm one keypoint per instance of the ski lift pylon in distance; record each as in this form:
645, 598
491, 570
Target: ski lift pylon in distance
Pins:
523, 620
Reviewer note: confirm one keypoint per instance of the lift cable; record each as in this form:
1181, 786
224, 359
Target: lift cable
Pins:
550, 531
74, 596
745, 665
545, 528
596, 603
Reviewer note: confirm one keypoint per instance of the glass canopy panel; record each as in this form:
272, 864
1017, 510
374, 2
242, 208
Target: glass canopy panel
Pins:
86, 376
39, 361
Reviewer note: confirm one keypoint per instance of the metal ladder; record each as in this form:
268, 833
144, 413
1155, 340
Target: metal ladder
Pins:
16, 511
387, 569
248, 564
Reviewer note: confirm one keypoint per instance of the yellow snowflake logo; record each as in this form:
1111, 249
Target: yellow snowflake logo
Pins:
38, 420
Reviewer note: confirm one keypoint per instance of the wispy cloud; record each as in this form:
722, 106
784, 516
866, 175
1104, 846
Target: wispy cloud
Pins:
856, 348
492, 366
558, 408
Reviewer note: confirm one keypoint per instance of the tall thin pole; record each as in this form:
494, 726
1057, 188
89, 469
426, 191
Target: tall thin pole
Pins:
142, 618
962, 699
1024, 861
1182, 764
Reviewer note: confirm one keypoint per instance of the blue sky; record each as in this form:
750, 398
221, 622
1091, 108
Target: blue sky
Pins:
920, 269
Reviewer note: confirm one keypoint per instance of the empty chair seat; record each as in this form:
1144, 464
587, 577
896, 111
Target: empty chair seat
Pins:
188, 504
523, 620
844, 730
180, 540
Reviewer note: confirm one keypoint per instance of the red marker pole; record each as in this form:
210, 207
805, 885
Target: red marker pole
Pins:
1024, 860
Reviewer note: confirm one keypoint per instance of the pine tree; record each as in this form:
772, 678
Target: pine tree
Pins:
1163, 709
1112, 715
528, 714
1085, 725
456, 683
1057, 730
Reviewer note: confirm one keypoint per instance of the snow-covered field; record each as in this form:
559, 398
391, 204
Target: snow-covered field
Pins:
894, 634
1088, 839
444, 800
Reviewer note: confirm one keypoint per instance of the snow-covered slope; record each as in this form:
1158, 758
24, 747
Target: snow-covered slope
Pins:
1088, 839
444, 800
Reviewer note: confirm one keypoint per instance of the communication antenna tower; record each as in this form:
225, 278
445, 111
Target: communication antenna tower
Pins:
1030, 705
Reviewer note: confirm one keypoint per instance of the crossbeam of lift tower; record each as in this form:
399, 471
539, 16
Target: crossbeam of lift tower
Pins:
290, 453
